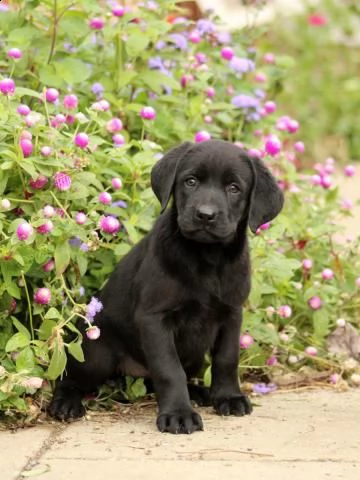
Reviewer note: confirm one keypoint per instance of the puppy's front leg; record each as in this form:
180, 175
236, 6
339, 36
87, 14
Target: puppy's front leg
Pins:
176, 414
225, 392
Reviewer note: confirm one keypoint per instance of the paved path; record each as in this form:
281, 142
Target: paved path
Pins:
312, 434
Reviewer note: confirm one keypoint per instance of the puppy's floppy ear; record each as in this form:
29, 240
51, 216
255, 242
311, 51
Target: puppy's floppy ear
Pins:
266, 199
163, 173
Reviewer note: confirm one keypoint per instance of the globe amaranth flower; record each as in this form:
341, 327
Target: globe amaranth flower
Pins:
92, 308
241, 65
62, 181
109, 224
7, 86
93, 332
42, 296
246, 341
245, 101
24, 231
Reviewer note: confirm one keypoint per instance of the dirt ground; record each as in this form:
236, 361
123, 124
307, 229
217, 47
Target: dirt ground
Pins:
305, 434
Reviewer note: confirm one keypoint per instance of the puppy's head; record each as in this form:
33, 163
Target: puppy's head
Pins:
215, 186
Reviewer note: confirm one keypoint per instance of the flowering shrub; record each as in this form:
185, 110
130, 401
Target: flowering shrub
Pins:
90, 97
326, 109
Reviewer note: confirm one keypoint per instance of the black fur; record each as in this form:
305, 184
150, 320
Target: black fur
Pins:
178, 293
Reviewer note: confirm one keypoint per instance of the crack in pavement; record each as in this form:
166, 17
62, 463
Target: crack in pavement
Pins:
33, 461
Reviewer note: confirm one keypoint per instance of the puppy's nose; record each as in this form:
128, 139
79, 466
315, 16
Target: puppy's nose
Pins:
206, 214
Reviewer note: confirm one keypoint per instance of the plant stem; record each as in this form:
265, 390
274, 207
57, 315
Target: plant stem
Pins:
54, 33
60, 205
29, 305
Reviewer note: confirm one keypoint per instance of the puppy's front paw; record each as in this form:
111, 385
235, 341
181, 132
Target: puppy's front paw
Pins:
237, 404
66, 405
184, 420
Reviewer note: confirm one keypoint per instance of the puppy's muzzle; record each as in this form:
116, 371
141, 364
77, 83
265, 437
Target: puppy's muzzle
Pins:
206, 215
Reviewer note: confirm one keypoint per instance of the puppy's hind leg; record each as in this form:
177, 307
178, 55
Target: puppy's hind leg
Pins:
81, 378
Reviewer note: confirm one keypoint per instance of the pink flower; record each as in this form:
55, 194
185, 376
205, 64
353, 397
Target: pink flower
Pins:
227, 53
42, 296
23, 110
114, 125
81, 140
46, 151
109, 225
32, 382
272, 145
194, 36
118, 139
357, 282
307, 264
104, 105
48, 266
317, 20
46, 227
51, 95
327, 274
254, 152
7, 86
210, 92
118, 11
326, 181
312, 351
48, 211
105, 198
260, 77
316, 179
5, 204
26, 147
70, 102
202, 136
269, 58
186, 79
60, 118
265, 226
15, 53
80, 218
116, 183
24, 231
315, 302
334, 378
148, 113
271, 361
299, 147
284, 311
62, 181
270, 107
97, 23
93, 332
246, 341
293, 126
349, 170
39, 182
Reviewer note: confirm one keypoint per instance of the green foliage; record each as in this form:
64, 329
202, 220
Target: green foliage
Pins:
74, 259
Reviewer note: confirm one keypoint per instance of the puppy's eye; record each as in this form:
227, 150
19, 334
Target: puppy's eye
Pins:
233, 188
191, 182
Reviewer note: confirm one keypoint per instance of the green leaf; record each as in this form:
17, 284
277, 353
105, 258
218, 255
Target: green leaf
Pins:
122, 249
16, 342
207, 377
138, 388
48, 76
62, 257
21, 92
265, 334
126, 77
57, 363
21, 328
76, 351
72, 70
46, 328
25, 361
53, 313
321, 324
134, 235
136, 43
155, 80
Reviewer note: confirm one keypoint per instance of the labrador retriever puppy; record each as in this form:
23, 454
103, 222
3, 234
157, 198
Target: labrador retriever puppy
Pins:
178, 294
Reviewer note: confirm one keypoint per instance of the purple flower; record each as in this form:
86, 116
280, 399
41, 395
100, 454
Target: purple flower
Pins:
84, 247
223, 37
62, 181
75, 241
120, 204
245, 101
205, 26
263, 388
241, 65
94, 307
260, 93
160, 45
179, 40
97, 88
155, 63
81, 291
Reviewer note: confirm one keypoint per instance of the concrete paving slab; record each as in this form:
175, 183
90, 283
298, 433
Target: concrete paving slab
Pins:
289, 434
17, 448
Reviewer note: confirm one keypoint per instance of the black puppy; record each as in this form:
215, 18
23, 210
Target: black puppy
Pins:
178, 293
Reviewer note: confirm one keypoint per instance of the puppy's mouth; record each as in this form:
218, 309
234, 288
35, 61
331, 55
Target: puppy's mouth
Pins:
206, 234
